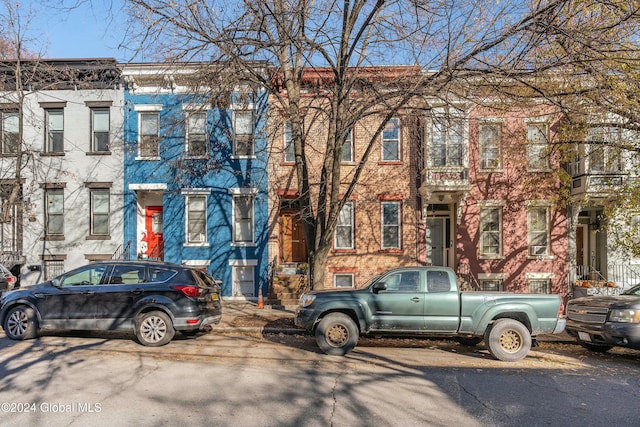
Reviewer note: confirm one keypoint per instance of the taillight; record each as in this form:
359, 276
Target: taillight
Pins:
11, 279
561, 309
190, 291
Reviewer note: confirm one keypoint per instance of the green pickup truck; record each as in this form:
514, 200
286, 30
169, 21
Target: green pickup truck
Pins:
426, 301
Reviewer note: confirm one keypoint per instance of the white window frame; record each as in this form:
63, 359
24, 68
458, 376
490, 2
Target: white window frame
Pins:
537, 146
349, 276
289, 153
99, 210
346, 220
54, 210
190, 198
97, 132
537, 279
196, 137
247, 139
55, 131
397, 225
447, 138
535, 232
10, 131
250, 195
143, 110
348, 144
389, 140
603, 155
486, 235
490, 147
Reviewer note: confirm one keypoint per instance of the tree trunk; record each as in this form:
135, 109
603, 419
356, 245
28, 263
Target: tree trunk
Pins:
317, 267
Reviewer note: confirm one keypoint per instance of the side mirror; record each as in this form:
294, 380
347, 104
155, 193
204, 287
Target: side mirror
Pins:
380, 286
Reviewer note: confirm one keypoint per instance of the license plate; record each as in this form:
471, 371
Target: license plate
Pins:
584, 336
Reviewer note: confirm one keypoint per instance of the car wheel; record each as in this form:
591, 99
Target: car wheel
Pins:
469, 341
21, 323
599, 348
508, 340
154, 329
337, 334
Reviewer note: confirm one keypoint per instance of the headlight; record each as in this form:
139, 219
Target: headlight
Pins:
625, 315
307, 300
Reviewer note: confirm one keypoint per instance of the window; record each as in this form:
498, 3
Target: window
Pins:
343, 280
53, 268
9, 132
55, 130
406, 281
99, 211
490, 137
86, 276
343, 238
196, 219
438, 281
289, 148
100, 129
391, 141
447, 137
491, 231
243, 132
537, 138
390, 225
127, 275
243, 277
197, 134
491, 285
604, 151
149, 134
347, 148
539, 286
54, 212
539, 231
243, 219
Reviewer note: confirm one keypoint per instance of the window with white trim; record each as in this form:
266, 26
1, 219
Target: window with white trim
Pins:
490, 145
539, 232
289, 148
243, 278
54, 211
55, 130
447, 137
243, 132
537, 146
196, 133
347, 148
149, 141
391, 225
491, 285
343, 236
243, 218
539, 286
100, 210
391, 140
196, 218
9, 132
491, 231
100, 129
343, 280
605, 154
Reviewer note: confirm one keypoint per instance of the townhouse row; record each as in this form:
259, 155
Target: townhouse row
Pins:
136, 161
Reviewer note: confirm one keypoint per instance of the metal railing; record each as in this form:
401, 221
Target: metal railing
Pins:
466, 278
123, 252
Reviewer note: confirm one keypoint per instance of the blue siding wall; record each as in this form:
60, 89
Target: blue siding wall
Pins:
217, 173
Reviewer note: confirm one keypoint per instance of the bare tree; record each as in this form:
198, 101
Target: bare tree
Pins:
463, 42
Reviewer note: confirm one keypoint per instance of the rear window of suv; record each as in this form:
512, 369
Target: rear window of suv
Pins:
158, 274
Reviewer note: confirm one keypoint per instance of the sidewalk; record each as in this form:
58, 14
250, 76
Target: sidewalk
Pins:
246, 317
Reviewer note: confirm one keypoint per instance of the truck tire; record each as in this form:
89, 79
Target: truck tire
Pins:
598, 348
508, 340
337, 334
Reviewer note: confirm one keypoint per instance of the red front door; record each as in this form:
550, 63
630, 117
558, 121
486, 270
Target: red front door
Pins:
154, 229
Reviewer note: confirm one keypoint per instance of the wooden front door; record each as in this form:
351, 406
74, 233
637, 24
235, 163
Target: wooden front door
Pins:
154, 228
293, 246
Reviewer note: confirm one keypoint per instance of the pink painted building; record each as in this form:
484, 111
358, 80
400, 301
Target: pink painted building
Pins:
493, 199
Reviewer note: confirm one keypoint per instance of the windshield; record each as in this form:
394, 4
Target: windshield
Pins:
369, 282
633, 291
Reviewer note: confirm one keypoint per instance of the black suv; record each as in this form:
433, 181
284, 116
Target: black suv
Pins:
152, 299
